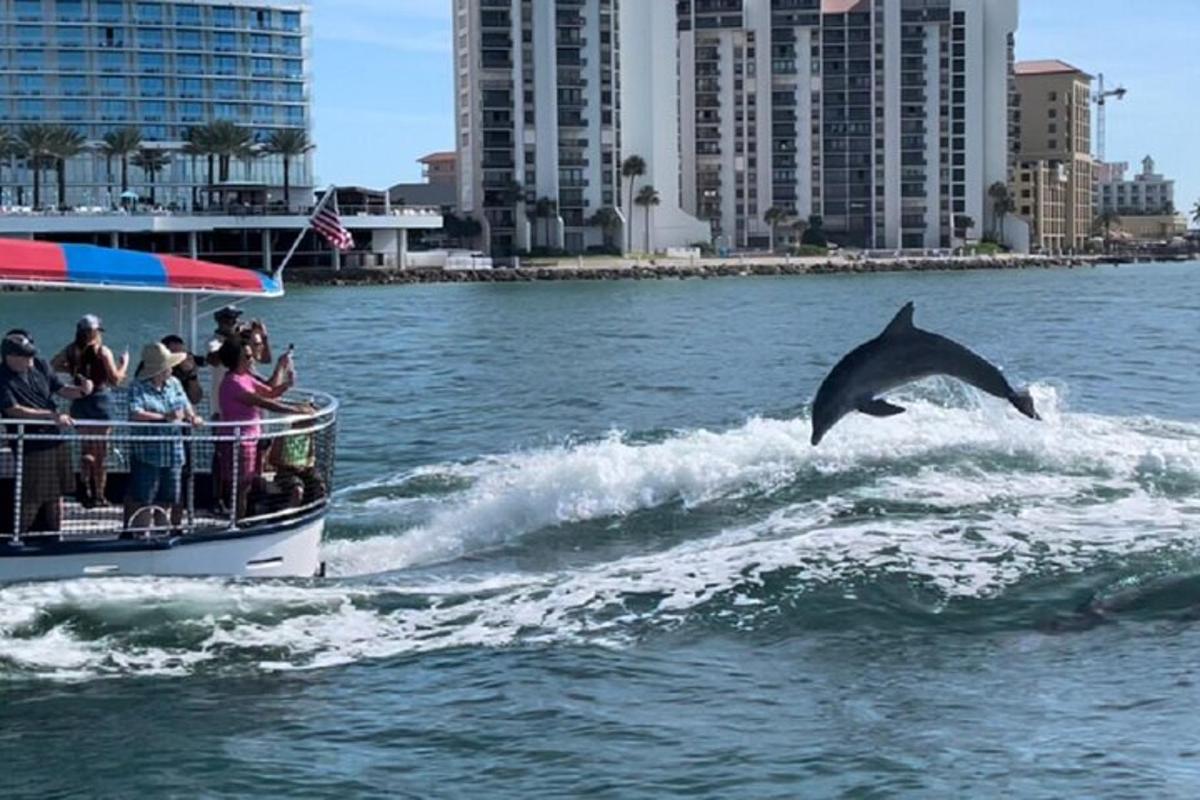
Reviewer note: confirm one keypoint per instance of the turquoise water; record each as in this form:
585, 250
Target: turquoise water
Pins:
583, 548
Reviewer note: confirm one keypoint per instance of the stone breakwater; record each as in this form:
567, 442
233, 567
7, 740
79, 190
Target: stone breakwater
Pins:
727, 269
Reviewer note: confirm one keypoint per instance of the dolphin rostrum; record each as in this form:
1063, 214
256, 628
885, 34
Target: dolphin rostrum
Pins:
902, 354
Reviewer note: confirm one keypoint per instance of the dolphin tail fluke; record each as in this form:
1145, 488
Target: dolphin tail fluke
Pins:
1023, 401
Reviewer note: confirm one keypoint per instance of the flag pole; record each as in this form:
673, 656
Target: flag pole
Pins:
331, 192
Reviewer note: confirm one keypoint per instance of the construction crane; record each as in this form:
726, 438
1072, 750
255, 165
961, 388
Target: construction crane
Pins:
1100, 98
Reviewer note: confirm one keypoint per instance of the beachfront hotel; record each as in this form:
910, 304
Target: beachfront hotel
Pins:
550, 99
163, 68
889, 119
1053, 180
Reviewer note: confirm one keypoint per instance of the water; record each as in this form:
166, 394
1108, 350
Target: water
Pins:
583, 548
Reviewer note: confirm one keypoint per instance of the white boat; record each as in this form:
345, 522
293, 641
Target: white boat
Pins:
276, 535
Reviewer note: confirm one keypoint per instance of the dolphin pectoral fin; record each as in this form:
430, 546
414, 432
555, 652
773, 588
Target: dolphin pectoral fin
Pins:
879, 408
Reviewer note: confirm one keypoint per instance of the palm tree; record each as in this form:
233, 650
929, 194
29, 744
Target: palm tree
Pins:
632, 168
1196, 213
38, 142
121, 144
774, 217
10, 151
647, 198
1107, 220
151, 161
288, 143
608, 221
1002, 205
546, 209
66, 144
195, 146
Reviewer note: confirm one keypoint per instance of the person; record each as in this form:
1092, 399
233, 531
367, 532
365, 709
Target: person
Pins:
294, 457
88, 357
28, 387
186, 372
227, 327
242, 398
155, 475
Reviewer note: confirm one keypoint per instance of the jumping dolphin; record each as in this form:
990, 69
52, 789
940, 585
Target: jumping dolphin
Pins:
900, 355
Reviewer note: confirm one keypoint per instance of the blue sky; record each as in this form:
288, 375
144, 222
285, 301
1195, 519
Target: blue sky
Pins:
384, 86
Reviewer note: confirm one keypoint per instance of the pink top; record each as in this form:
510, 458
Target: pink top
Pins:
234, 409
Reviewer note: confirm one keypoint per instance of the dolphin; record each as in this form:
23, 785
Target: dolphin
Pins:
902, 354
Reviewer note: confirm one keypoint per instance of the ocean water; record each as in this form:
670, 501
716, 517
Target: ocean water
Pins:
582, 548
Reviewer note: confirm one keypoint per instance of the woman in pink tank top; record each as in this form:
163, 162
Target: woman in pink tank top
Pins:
242, 398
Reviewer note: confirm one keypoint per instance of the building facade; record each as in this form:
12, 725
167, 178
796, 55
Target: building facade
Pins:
1148, 194
889, 119
163, 68
1055, 122
544, 121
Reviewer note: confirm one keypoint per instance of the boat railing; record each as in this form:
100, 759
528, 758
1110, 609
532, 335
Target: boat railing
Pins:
232, 477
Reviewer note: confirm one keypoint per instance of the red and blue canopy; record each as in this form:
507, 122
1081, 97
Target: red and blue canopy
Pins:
84, 266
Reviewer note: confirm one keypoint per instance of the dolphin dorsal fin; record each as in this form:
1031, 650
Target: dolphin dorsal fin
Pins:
902, 323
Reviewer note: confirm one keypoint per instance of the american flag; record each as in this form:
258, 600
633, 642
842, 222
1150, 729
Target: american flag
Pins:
327, 223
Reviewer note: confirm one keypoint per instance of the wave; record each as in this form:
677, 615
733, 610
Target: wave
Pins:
963, 515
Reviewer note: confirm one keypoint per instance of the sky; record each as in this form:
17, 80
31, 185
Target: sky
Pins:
384, 89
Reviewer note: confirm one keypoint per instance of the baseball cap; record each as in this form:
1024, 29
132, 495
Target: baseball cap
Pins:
89, 322
18, 345
228, 312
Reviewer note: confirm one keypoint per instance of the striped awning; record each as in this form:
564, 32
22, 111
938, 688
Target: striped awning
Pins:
84, 266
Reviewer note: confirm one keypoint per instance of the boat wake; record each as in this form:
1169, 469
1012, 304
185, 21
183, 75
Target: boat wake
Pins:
957, 513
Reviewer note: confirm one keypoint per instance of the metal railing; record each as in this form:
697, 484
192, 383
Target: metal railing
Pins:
217, 478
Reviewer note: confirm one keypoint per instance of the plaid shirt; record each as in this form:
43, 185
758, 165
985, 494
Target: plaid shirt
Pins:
145, 396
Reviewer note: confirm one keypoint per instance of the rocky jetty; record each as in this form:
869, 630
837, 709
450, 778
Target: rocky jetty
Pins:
701, 271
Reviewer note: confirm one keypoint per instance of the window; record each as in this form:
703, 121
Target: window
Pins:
187, 15
73, 110
263, 90
292, 68
31, 108
114, 110
151, 38
72, 61
113, 87
224, 17
28, 9
73, 85
261, 19
30, 35
149, 12
190, 87
225, 65
189, 40
1053, 128
290, 46
263, 114
30, 59
154, 110
152, 87
1053, 144
112, 62
291, 21
262, 66
293, 91
1053, 97
31, 84
70, 10
226, 89
189, 64
112, 37
71, 37
151, 62
110, 11
260, 43
191, 112
225, 42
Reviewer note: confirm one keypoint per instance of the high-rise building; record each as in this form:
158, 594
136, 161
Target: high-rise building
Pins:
1055, 115
889, 119
544, 120
163, 68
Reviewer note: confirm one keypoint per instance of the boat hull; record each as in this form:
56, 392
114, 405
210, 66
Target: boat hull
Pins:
291, 550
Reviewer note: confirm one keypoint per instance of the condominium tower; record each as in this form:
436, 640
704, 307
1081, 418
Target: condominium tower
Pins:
162, 67
548, 105
889, 119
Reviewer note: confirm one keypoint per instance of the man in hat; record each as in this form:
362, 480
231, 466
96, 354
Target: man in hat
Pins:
156, 469
28, 388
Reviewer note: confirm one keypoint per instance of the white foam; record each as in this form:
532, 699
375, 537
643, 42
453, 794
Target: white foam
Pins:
1004, 498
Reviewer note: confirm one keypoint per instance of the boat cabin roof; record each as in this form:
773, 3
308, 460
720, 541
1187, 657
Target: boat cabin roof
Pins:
81, 266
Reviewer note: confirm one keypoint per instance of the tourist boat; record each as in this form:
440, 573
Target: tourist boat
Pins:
277, 535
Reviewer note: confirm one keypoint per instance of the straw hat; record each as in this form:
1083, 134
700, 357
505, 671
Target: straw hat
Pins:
157, 359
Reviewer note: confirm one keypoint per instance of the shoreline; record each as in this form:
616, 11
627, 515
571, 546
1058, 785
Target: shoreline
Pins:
727, 268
